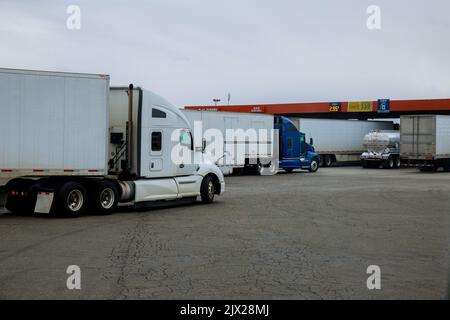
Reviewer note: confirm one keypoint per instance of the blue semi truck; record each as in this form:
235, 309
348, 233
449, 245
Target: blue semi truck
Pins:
294, 152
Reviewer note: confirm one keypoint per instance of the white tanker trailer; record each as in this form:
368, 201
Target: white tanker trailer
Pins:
383, 149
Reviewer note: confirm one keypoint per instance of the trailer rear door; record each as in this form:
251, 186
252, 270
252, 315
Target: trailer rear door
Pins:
418, 137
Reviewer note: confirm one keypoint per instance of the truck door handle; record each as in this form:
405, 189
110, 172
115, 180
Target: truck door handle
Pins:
182, 166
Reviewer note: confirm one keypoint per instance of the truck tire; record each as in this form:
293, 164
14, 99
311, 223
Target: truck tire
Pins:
259, 168
364, 164
327, 161
266, 168
314, 165
71, 200
398, 163
389, 163
207, 190
104, 199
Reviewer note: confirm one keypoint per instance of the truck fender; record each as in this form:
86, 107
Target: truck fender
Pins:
206, 168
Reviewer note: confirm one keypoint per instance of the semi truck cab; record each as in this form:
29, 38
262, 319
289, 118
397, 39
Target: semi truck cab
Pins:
294, 151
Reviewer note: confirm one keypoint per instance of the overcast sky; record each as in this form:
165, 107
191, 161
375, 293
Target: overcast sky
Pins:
191, 51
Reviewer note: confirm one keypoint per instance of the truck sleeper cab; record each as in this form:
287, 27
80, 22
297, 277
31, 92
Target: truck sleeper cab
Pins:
89, 147
156, 172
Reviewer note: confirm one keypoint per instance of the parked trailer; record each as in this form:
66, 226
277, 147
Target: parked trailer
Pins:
284, 148
425, 141
339, 140
232, 153
70, 143
382, 149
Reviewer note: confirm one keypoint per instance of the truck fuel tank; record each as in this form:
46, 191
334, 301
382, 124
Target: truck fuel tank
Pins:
379, 141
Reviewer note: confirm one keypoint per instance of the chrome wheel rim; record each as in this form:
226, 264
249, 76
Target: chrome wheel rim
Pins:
211, 190
75, 200
314, 165
107, 198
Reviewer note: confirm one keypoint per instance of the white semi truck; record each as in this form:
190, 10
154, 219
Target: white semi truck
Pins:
69, 144
338, 140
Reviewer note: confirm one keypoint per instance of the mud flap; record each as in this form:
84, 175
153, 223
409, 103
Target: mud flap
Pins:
44, 202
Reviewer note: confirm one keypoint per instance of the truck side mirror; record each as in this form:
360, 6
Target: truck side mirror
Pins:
203, 145
311, 141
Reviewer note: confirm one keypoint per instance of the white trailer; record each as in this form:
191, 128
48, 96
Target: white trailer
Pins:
237, 152
425, 141
338, 140
70, 143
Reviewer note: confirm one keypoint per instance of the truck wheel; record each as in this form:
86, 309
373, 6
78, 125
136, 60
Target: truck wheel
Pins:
364, 164
327, 161
207, 190
259, 168
314, 166
266, 168
71, 200
398, 162
389, 163
104, 198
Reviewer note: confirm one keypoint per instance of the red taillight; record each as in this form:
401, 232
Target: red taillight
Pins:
17, 193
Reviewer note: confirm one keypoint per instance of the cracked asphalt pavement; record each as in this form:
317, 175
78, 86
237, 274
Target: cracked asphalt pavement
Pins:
290, 236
